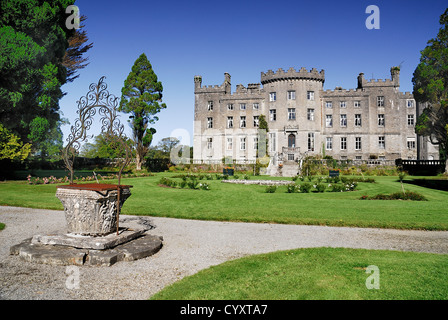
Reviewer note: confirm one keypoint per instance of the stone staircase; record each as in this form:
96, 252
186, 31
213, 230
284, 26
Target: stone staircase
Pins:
290, 169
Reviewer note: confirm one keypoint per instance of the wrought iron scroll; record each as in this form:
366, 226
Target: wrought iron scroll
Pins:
99, 98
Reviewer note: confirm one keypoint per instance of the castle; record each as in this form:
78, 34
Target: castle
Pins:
373, 121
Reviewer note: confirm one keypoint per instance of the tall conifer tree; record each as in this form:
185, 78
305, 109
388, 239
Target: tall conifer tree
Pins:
141, 96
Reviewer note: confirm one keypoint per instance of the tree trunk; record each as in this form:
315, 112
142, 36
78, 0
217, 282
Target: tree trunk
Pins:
138, 162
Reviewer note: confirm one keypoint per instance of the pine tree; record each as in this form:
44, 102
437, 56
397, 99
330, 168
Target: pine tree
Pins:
141, 96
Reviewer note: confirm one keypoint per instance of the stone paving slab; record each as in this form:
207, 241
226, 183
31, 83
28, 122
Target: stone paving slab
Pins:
88, 242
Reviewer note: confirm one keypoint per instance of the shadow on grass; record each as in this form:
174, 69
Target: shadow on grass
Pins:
429, 183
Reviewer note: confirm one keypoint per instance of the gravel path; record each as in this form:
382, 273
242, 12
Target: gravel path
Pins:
189, 246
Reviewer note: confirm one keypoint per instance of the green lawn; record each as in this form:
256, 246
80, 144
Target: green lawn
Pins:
318, 274
250, 203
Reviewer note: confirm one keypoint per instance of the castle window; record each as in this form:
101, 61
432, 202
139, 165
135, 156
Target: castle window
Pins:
343, 120
272, 142
243, 122
380, 101
410, 119
291, 113
229, 143
209, 143
242, 106
256, 106
311, 141
381, 120
256, 121
310, 114
229, 122
343, 104
310, 95
410, 143
291, 95
255, 143
272, 96
343, 143
210, 106
209, 122
381, 142
410, 103
230, 107
329, 104
272, 114
329, 143
357, 104
329, 121
242, 143
357, 120
358, 144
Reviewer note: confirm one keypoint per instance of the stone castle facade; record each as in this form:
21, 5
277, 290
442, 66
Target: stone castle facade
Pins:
373, 121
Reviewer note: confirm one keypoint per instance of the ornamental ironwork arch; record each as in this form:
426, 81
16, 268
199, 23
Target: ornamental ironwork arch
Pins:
99, 98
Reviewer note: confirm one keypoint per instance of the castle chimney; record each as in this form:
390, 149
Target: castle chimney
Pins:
197, 82
395, 75
360, 80
227, 84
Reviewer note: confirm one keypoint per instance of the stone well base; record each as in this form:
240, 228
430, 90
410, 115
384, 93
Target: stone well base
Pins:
139, 248
133, 242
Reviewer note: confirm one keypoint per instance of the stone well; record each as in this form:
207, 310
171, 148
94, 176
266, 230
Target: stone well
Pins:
91, 209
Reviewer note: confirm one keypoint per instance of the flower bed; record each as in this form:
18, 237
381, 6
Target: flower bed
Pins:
408, 195
260, 182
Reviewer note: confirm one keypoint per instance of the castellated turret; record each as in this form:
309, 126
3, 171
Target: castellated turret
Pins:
292, 74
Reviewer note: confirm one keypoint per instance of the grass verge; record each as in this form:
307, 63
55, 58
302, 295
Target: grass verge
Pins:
250, 203
318, 274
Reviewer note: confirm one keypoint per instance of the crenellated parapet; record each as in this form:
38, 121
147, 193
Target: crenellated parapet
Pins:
338, 92
292, 74
394, 81
224, 88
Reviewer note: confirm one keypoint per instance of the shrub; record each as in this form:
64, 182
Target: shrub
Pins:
204, 186
306, 187
271, 189
292, 188
167, 182
183, 184
350, 186
320, 187
337, 188
408, 195
193, 184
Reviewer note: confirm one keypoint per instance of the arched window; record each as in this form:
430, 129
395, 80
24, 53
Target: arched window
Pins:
291, 141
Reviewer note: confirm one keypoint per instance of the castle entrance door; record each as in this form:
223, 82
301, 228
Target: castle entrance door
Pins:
292, 141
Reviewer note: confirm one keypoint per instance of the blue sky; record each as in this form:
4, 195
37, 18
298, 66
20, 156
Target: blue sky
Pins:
244, 38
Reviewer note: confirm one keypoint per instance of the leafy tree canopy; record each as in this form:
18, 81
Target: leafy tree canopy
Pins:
104, 147
430, 82
38, 54
11, 147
